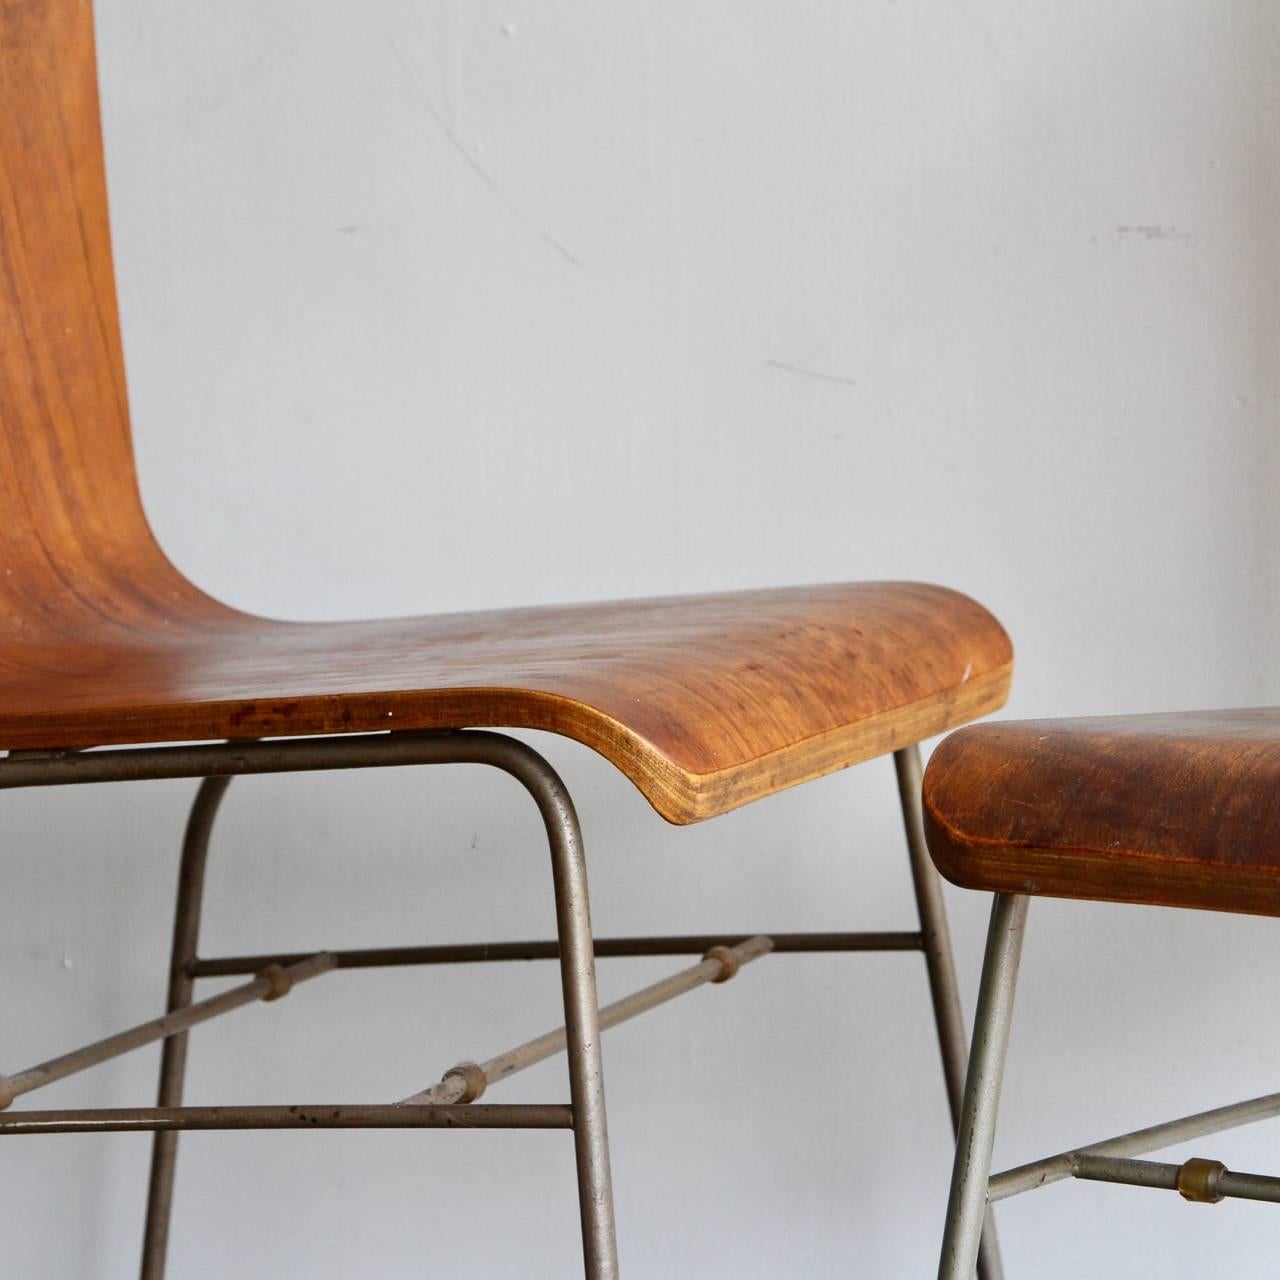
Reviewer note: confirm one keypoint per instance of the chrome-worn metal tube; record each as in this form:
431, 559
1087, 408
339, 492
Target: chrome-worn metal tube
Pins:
1166, 1177
453, 1087
967, 1205
944, 990
578, 984
1133, 1173
274, 755
90, 1055
1039, 1173
176, 1119
1249, 1186
173, 1059
605, 948
568, 864
935, 933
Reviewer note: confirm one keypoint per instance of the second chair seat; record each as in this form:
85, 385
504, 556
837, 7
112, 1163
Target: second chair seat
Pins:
1180, 809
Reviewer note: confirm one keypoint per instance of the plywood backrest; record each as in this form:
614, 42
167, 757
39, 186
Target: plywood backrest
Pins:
75, 549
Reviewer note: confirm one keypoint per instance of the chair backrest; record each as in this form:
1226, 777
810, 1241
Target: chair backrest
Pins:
76, 553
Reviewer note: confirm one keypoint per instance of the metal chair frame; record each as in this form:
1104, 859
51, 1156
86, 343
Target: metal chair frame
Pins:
452, 1103
974, 1189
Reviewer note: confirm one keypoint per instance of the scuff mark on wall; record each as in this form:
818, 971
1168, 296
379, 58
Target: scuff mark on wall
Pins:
476, 168
1153, 231
802, 372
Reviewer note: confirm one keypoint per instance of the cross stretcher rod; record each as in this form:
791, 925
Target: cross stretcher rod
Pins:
1225, 1184
605, 948
1039, 1173
271, 984
150, 1119
468, 1081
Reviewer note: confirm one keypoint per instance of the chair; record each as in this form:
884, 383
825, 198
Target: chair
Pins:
1178, 810
704, 703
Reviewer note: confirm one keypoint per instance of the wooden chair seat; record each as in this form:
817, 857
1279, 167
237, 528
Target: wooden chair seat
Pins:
704, 702
1178, 810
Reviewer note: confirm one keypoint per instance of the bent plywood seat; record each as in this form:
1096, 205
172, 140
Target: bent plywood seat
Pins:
1179, 809
704, 703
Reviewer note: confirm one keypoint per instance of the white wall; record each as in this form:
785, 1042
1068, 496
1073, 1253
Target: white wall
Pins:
433, 306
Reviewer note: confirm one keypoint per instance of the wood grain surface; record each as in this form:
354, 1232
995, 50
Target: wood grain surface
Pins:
1179, 810
705, 702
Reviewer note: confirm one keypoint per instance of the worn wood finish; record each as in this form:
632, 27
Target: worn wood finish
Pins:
705, 703
1178, 810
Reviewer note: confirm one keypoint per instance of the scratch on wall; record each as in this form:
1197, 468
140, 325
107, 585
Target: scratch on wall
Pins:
802, 372
1152, 231
476, 168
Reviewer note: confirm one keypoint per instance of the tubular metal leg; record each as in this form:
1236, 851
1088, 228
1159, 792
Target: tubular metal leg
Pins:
982, 1088
577, 973
581, 1009
940, 964
173, 1061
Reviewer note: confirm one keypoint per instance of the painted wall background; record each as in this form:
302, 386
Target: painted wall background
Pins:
435, 306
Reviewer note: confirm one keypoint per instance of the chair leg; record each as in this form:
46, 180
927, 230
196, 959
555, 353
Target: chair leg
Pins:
577, 976
581, 1009
173, 1060
940, 964
972, 1167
